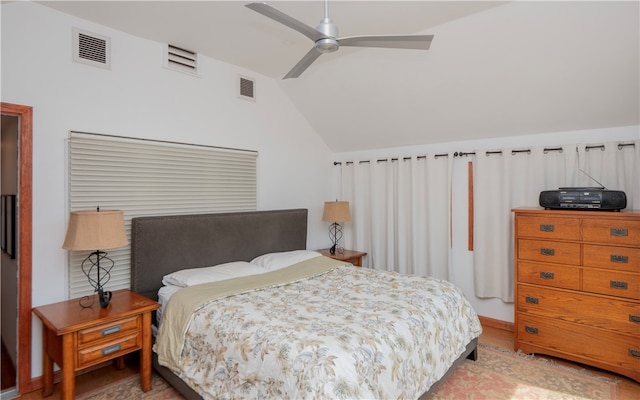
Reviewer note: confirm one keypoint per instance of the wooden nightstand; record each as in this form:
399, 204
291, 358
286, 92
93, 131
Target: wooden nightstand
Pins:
77, 338
352, 256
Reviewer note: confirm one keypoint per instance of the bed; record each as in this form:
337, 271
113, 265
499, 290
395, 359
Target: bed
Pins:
261, 347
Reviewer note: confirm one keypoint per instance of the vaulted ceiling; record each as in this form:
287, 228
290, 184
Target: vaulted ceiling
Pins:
494, 69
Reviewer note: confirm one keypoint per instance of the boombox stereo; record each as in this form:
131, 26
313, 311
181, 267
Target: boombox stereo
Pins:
583, 198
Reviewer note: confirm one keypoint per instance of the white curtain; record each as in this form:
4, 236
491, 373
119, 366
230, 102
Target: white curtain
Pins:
400, 213
503, 181
515, 179
614, 165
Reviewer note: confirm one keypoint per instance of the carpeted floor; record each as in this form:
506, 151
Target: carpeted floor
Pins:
498, 374
503, 374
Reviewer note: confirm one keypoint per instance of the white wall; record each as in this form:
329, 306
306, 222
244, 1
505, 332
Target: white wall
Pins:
139, 98
462, 259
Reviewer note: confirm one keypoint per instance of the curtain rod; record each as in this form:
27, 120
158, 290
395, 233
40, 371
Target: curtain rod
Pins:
392, 159
488, 153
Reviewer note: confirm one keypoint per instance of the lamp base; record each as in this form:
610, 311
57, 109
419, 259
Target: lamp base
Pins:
335, 234
332, 250
104, 297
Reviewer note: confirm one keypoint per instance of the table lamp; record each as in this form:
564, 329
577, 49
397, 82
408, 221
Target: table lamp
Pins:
96, 231
335, 212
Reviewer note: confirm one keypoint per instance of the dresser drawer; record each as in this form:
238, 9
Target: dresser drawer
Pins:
548, 227
613, 257
606, 347
582, 308
107, 350
614, 283
556, 275
549, 251
116, 328
611, 231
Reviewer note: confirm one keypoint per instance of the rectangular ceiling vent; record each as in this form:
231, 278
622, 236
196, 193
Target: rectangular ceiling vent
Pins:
91, 49
182, 60
247, 88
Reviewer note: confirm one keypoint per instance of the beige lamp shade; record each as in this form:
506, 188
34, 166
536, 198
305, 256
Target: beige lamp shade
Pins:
95, 230
336, 211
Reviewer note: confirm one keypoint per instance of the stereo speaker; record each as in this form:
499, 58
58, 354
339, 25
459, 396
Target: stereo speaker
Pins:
549, 199
614, 200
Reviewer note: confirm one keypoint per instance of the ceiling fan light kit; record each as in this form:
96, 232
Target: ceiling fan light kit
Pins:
326, 40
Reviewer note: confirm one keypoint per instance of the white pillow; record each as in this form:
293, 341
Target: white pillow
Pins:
220, 272
274, 261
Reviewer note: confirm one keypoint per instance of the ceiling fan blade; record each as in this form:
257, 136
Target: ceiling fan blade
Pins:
304, 63
417, 42
284, 19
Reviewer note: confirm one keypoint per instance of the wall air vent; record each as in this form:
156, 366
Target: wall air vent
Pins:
182, 60
247, 88
91, 49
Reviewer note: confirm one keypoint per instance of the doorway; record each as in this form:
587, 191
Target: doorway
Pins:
8, 262
22, 117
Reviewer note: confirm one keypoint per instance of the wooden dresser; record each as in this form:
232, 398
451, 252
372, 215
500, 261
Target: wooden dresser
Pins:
577, 287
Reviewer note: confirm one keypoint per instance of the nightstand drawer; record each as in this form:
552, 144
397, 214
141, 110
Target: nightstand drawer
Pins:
549, 251
108, 350
105, 331
549, 228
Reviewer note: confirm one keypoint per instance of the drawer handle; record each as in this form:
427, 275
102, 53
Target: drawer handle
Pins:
619, 232
111, 349
634, 353
634, 318
547, 275
615, 258
110, 330
531, 300
547, 227
618, 285
547, 252
531, 329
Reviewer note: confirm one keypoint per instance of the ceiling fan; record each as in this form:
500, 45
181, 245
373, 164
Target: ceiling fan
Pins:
325, 37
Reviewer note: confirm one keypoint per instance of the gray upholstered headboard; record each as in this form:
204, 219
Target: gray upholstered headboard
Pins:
164, 244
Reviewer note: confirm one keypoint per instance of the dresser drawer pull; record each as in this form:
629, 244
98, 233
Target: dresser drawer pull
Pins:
618, 285
547, 275
634, 353
111, 330
547, 227
547, 252
531, 329
111, 349
634, 318
616, 258
531, 300
619, 232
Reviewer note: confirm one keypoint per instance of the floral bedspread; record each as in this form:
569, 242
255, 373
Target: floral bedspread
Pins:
348, 333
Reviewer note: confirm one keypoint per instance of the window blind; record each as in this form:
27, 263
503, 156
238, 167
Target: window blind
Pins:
144, 178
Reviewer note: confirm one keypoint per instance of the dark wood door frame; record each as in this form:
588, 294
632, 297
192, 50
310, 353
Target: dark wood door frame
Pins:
25, 204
